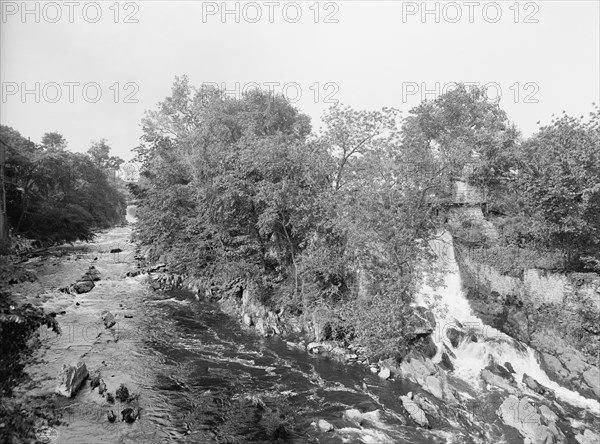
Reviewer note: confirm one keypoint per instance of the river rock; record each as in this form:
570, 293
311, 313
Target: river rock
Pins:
426, 405
416, 370
523, 415
108, 319
83, 286
111, 416
446, 362
422, 322
130, 414
70, 379
385, 373
498, 381
315, 347
434, 386
508, 366
325, 426
592, 378
454, 336
533, 384
588, 437
92, 274
102, 387
247, 319
353, 415
414, 411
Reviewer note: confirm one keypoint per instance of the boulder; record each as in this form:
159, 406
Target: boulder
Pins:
415, 369
354, 416
434, 386
130, 414
83, 286
533, 384
508, 366
592, 378
588, 437
524, 416
108, 319
414, 411
426, 404
454, 336
498, 381
325, 426
70, 378
554, 365
385, 373
111, 416
446, 362
247, 319
501, 371
315, 347
422, 322
92, 274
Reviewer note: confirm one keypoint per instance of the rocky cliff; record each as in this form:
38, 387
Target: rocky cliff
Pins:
556, 314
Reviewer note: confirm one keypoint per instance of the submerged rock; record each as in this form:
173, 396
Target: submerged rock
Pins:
70, 379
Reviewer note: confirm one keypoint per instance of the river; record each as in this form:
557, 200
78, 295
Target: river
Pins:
184, 356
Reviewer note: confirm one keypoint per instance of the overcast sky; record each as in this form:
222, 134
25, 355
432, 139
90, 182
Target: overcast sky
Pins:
68, 67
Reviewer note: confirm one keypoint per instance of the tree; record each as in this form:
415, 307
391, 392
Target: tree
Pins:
55, 195
459, 129
557, 185
54, 141
99, 153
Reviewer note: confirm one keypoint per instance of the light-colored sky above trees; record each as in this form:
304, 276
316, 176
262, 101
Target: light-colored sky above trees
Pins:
89, 70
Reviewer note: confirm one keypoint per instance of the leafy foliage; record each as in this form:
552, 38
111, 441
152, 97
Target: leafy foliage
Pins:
54, 195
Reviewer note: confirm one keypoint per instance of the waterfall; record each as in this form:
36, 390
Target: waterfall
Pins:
452, 310
130, 216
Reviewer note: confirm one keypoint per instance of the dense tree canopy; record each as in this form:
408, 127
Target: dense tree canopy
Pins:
241, 190
54, 195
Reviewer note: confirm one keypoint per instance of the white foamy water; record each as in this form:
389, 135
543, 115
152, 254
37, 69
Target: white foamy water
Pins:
130, 216
472, 357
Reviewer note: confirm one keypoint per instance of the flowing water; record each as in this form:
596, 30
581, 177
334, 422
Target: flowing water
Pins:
180, 354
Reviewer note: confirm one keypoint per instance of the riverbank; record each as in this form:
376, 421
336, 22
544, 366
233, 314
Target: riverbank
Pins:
186, 359
85, 336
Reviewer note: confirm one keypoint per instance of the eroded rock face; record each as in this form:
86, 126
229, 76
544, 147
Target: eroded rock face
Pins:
525, 416
70, 379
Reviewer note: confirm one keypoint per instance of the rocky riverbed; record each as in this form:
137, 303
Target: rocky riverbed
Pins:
193, 372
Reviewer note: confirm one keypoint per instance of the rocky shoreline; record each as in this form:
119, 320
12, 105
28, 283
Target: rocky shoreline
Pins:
526, 406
